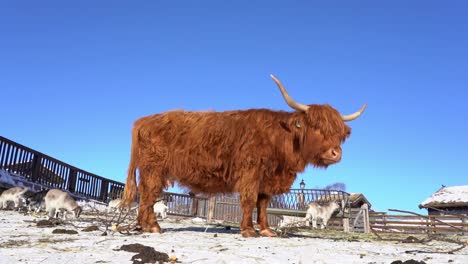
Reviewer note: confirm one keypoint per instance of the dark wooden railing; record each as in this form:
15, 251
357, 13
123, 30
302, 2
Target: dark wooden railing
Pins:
186, 204
298, 199
39, 168
42, 169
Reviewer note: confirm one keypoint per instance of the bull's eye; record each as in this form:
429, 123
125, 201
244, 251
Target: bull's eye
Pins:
297, 124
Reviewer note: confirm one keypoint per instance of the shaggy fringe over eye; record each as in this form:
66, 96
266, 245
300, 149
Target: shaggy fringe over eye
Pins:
328, 121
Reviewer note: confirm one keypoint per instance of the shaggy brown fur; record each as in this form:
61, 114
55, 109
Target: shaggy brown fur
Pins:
255, 152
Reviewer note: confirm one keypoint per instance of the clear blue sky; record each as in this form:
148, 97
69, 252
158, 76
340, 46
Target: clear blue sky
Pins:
75, 76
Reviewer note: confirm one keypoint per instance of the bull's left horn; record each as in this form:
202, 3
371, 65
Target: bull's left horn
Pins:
353, 116
293, 104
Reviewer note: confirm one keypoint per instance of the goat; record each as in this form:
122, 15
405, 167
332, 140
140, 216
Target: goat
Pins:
160, 208
15, 195
117, 204
317, 211
291, 221
35, 200
57, 199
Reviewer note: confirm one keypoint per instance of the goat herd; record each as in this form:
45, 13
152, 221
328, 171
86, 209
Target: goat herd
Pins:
55, 201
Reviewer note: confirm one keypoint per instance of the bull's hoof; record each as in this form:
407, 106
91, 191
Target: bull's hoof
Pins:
152, 229
268, 233
249, 233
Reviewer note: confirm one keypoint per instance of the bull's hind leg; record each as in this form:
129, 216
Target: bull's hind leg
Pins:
150, 187
262, 219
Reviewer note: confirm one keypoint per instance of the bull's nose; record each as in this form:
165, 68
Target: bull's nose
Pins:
336, 154
333, 154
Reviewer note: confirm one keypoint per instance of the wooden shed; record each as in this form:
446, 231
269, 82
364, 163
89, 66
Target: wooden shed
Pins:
448, 201
356, 200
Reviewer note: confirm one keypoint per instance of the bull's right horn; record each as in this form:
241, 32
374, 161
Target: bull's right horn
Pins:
355, 115
293, 104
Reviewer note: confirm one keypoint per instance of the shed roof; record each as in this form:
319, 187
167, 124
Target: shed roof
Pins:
454, 196
358, 199
355, 199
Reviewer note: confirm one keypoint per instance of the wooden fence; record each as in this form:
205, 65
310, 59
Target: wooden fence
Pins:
186, 204
34, 167
413, 224
227, 207
39, 168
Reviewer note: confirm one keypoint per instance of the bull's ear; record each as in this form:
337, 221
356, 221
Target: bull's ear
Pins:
285, 126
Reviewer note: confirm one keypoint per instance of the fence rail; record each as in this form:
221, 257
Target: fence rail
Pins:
432, 224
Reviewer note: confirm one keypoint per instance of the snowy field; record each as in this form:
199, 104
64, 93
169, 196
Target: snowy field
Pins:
188, 241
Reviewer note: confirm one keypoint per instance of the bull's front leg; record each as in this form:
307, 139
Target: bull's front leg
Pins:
248, 203
262, 218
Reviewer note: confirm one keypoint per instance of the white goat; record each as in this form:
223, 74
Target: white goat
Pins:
317, 211
56, 200
116, 204
291, 221
160, 208
15, 195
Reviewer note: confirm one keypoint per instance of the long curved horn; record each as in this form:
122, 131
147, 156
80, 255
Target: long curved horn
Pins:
293, 104
355, 115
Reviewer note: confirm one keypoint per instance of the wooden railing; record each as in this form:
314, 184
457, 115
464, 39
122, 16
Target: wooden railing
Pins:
293, 203
186, 204
42, 169
298, 199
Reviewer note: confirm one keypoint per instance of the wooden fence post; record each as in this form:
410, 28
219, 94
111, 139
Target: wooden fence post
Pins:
365, 218
346, 224
71, 181
212, 206
104, 190
465, 227
194, 204
36, 168
384, 218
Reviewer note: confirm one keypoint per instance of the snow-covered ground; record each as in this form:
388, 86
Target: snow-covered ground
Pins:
22, 241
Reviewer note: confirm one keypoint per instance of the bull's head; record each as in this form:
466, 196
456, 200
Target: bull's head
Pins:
320, 130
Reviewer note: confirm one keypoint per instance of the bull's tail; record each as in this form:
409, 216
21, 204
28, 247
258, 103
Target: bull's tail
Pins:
130, 191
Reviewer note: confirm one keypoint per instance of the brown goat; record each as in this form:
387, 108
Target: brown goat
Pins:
255, 152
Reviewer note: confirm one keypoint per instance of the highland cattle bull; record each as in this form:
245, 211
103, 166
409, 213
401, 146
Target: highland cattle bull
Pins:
255, 152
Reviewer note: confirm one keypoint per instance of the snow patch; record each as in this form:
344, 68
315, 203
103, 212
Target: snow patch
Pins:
6, 178
448, 195
21, 241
